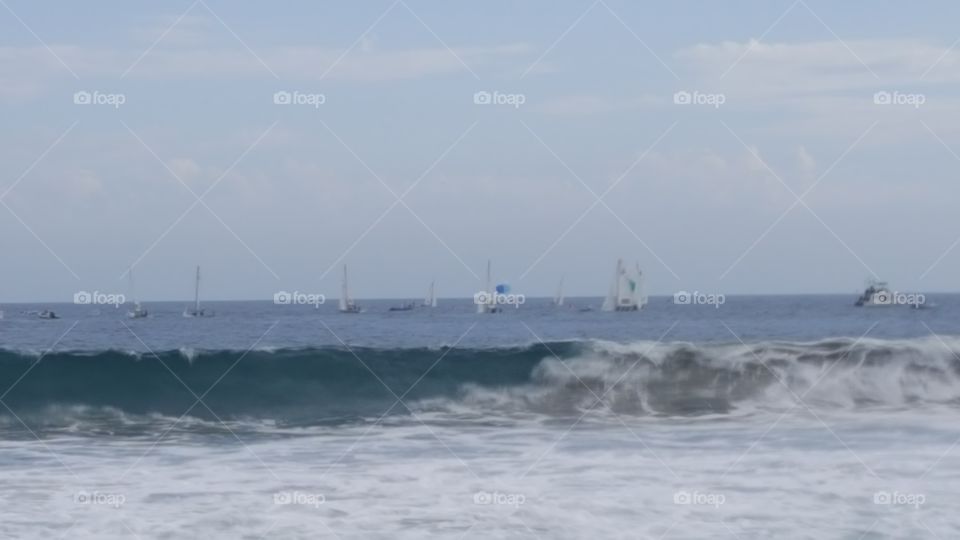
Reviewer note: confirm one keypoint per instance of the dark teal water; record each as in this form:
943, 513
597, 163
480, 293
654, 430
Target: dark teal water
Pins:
302, 366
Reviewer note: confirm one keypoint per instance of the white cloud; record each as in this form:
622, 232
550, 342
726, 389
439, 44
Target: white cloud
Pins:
29, 69
178, 31
807, 164
185, 168
813, 67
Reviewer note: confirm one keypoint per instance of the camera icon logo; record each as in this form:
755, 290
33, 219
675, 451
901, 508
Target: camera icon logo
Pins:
482, 497
682, 98
82, 98
282, 298
482, 298
882, 298
882, 497
82, 297
81, 497
681, 497
282, 98
283, 497
682, 298
482, 98
882, 98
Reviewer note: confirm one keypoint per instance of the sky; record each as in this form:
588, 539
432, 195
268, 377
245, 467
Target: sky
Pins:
751, 147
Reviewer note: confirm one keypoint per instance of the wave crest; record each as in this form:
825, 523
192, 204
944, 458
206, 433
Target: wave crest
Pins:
321, 385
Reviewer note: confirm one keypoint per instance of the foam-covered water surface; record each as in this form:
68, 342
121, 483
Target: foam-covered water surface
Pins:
621, 478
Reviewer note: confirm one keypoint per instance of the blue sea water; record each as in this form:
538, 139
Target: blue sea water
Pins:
238, 325
767, 416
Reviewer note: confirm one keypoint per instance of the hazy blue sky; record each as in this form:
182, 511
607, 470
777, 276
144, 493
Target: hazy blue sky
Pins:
704, 197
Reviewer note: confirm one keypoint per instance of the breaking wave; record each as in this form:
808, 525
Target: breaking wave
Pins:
298, 387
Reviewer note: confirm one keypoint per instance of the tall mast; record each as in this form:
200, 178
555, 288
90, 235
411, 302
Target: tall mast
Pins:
488, 276
345, 291
484, 308
641, 288
196, 292
618, 280
133, 292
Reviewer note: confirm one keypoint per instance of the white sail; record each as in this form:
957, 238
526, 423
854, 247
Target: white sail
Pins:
195, 311
641, 288
138, 311
196, 292
610, 302
626, 291
347, 305
488, 289
431, 298
558, 298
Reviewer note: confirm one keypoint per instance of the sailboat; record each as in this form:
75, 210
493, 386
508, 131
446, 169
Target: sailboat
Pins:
558, 298
626, 291
486, 302
139, 312
195, 311
431, 299
347, 305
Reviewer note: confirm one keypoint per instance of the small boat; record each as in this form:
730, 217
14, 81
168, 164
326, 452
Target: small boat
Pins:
196, 310
626, 291
47, 314
487, 300
877, 293
138, 312
431, 299
347, 305
404, 307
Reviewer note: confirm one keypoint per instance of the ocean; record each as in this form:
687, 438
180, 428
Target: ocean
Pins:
764, 417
